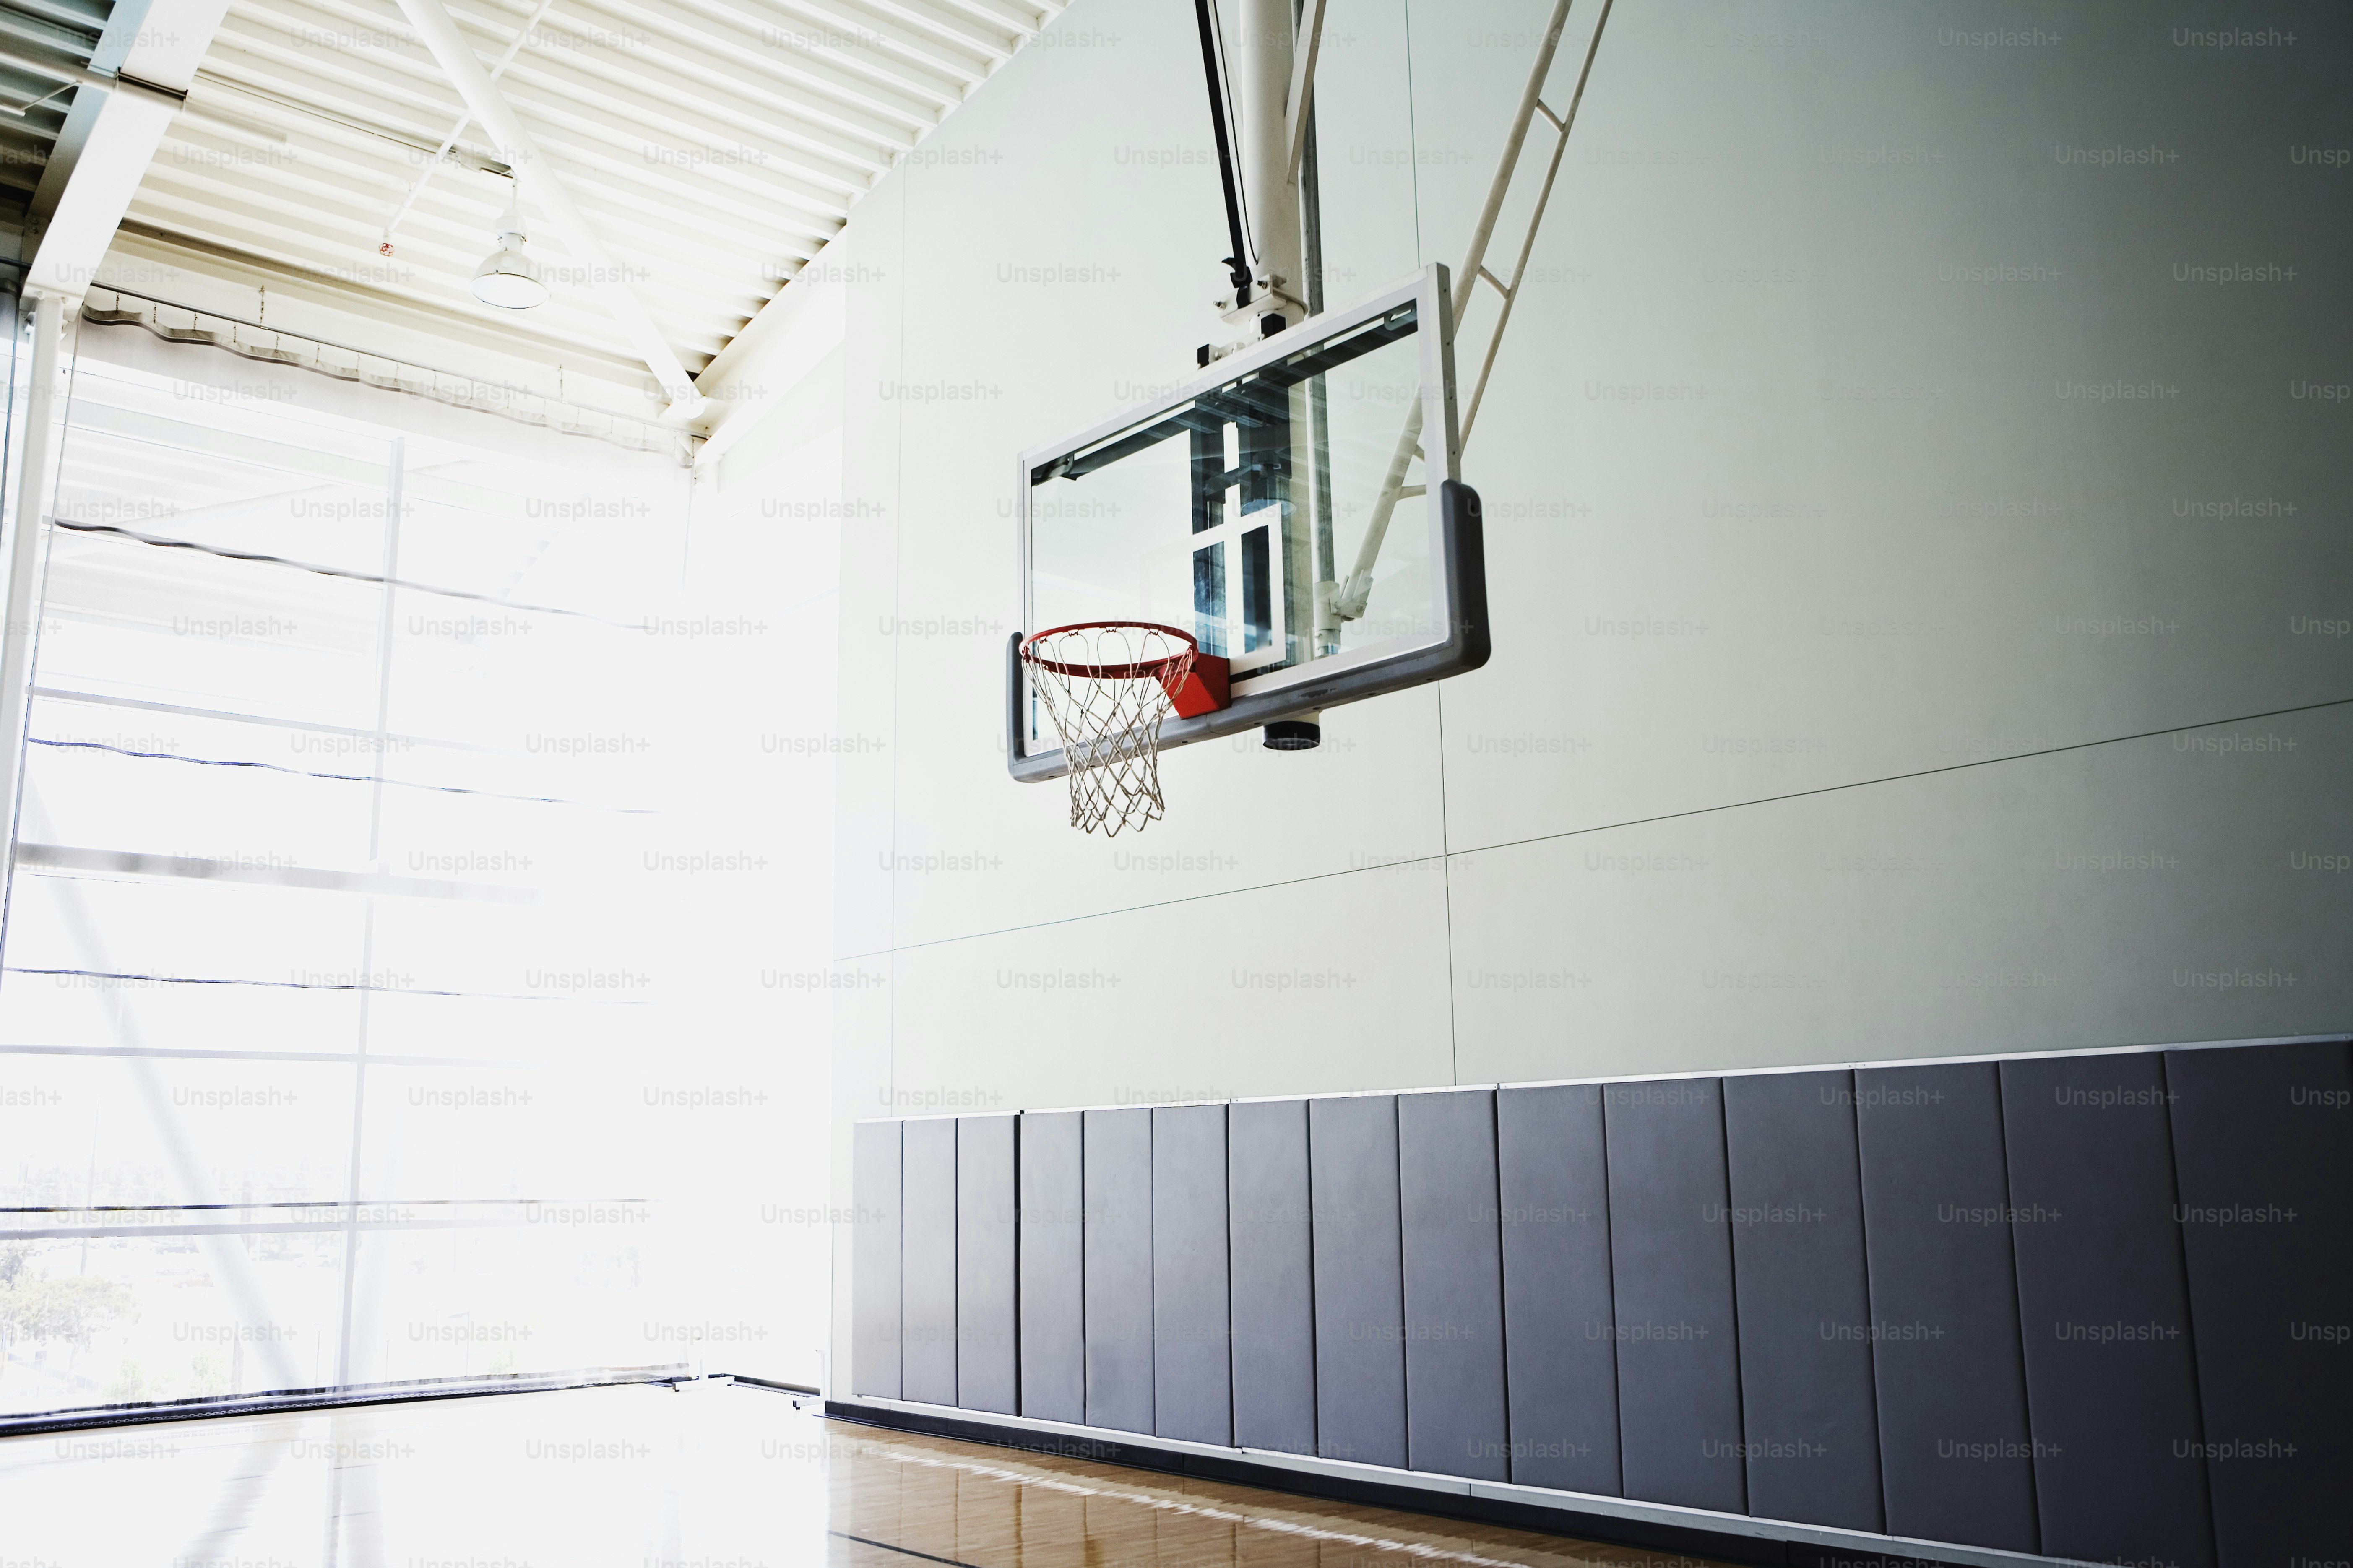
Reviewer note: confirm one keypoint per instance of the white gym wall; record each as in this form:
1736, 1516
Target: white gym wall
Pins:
1907, 562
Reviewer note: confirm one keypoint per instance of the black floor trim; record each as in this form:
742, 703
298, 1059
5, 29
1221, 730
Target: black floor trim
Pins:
1723, 1545
770, 1384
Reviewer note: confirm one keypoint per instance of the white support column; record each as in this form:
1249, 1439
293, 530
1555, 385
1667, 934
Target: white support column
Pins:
1264, 155
28, 542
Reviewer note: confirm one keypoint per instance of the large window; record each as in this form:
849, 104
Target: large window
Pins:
383, 828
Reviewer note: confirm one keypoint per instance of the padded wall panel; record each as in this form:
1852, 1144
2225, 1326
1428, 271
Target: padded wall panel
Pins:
1192, 1382
1803, 1302
1053, 1268
987, 1242
1119, 1268
1561, 1362
1359, 1281
1954, 1444
874, 1259
1454, 1267
1670, 1267
2263, 1139
1272, 1262
927, 1259
2109, 1377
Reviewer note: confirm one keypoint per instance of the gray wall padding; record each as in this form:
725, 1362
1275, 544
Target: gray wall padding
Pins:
2111, 1384
1271, 1253
874, 1259
1561, 1362
927, 1260
2264, 1149
2083, 1306
1359, 1281
1804, 1303
985, 1254
1955, 1451
1119, 1268
1671, 1265
1053, 1268
1455, 1420
1192, 1378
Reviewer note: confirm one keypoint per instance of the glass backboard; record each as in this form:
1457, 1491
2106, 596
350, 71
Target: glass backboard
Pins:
1281, 507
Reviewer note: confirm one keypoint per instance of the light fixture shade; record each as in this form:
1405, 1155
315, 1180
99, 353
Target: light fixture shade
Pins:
508, 278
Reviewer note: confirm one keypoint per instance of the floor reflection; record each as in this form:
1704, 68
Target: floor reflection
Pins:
646, 1478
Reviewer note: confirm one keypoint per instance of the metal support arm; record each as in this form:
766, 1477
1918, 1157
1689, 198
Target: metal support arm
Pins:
1346, 600
1302, 97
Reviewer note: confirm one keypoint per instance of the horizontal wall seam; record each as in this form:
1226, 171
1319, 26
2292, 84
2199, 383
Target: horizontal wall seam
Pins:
1609, 827
1776, 1069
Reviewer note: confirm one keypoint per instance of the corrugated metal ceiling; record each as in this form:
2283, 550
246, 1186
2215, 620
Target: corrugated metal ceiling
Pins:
714, 144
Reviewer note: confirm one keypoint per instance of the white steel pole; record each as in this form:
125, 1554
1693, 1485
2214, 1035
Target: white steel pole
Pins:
1268, 182
18, 633
537, 176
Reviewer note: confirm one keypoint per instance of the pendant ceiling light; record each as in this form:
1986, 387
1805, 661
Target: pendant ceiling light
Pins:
508, 277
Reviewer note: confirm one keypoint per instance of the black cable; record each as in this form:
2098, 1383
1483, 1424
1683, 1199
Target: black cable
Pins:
1237, 265
160, 542
272, 984
1234, 120
314, 985
336, 778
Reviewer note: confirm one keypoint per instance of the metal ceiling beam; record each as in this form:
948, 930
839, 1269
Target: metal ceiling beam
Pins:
708, 229
147, 60
406, 319
712, 155
315, 214
210, 80
538, 178
757, 371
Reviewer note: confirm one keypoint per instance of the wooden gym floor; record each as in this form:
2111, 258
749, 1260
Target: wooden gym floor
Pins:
645, 1477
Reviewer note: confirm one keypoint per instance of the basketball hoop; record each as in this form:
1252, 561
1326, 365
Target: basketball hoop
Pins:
1108, 686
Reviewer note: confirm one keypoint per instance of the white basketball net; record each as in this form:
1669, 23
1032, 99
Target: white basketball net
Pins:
1106, 689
